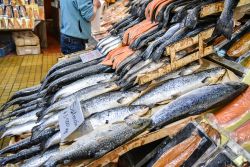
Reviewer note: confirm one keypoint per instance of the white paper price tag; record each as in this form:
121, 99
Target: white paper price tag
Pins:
92, 55
70, 119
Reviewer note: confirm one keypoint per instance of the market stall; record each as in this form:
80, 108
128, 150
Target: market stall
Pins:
154, 92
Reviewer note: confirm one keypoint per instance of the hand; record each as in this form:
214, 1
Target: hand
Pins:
97, 4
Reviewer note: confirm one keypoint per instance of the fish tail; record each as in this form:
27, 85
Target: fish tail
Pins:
36, 131
224, 28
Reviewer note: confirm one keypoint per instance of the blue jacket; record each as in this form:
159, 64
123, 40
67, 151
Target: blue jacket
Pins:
75, 18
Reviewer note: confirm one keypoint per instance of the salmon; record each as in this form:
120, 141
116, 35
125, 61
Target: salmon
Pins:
154, 7
139, 32
112, 52
109, 59
137, 29
161, 6
117, 53
178, 161
118, 59
242, 134
240, 47
128, 31
147, 10
235, 109
175, 151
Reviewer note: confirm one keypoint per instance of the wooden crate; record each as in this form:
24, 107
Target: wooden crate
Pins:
176, 64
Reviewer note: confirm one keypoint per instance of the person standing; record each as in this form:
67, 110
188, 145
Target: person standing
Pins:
76, 17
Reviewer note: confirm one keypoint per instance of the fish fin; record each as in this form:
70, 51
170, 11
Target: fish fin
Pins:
209, 80
36, 131
121, 100
164, 102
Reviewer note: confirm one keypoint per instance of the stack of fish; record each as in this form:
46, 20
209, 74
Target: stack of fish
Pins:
114, 107
154, 25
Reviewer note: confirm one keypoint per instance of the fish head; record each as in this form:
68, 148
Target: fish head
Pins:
137, 122
237, 86
216, 74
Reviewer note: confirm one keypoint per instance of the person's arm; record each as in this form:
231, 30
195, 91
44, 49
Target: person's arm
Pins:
88, 9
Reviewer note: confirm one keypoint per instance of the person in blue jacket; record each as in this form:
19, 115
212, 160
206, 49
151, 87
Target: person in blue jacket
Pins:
76, 17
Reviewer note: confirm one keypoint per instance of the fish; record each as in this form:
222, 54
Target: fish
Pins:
107, 41
25, 92
126, 61
52, 141
171, 89
108, 101
94, 145
22, 155
137, 67
132, 80
225, 23
201, 100
101, 119
182, 135
240, 47
19, 112
63, 63
81, 95
150, 39
19, 129
27, 142
241, 135
142, 37
175, 156
233, 114
176, 36
20, 101
38, 160
112, 43
81, 84
67, 70
51, 121
200, 150
170, 32
221, 160
182, 13
186, 70
111, 48
113, 115
223, 46
31, 116
69, 78
116, 29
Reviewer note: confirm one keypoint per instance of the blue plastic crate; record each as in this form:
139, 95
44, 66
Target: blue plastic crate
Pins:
6, 48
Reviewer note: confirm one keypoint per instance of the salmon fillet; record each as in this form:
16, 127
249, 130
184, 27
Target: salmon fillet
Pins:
235, 109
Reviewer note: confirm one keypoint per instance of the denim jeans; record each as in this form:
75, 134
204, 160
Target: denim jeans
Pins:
71, 44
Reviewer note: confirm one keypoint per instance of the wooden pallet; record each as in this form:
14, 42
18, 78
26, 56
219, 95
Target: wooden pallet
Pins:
143, 139
176, 64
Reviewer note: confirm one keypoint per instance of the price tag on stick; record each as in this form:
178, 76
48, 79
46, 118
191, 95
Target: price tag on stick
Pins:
92, 55
70, 119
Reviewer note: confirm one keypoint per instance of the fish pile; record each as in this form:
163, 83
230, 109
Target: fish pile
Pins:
114, 106
150, 27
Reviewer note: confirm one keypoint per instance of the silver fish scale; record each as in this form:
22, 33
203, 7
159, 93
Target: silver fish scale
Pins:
194, 102
107, 101
178, 86
98, 142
